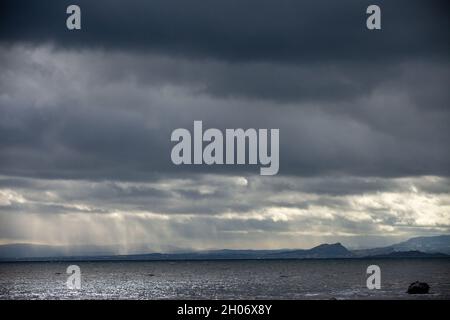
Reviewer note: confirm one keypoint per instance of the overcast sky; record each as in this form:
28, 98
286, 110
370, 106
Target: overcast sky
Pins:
86, 118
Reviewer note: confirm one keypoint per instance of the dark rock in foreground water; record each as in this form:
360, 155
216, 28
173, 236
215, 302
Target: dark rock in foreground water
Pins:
418, 288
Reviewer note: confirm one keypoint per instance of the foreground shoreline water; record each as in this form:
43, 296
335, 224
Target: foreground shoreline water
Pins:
225, 279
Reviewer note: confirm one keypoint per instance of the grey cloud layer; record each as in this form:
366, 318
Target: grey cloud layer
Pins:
86, 119
88, 114
203, 211
102, 102
211, 194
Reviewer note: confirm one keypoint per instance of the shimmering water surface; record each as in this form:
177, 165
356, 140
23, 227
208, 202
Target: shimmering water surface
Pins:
294, 279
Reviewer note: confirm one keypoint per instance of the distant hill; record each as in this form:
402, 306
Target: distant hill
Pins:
435, 244
26, 250
410, 254
335, 250
31, 252
426, 244
420, 247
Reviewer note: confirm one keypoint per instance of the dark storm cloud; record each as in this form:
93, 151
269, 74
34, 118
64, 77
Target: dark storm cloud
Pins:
90, 115
235, 30
101, 103
86, 119
286, 51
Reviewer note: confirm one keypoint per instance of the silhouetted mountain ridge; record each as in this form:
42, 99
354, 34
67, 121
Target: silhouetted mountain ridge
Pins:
336, 250
410, 254
406, 249
434, 244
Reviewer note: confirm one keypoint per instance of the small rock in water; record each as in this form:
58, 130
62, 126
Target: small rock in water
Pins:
418, 288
